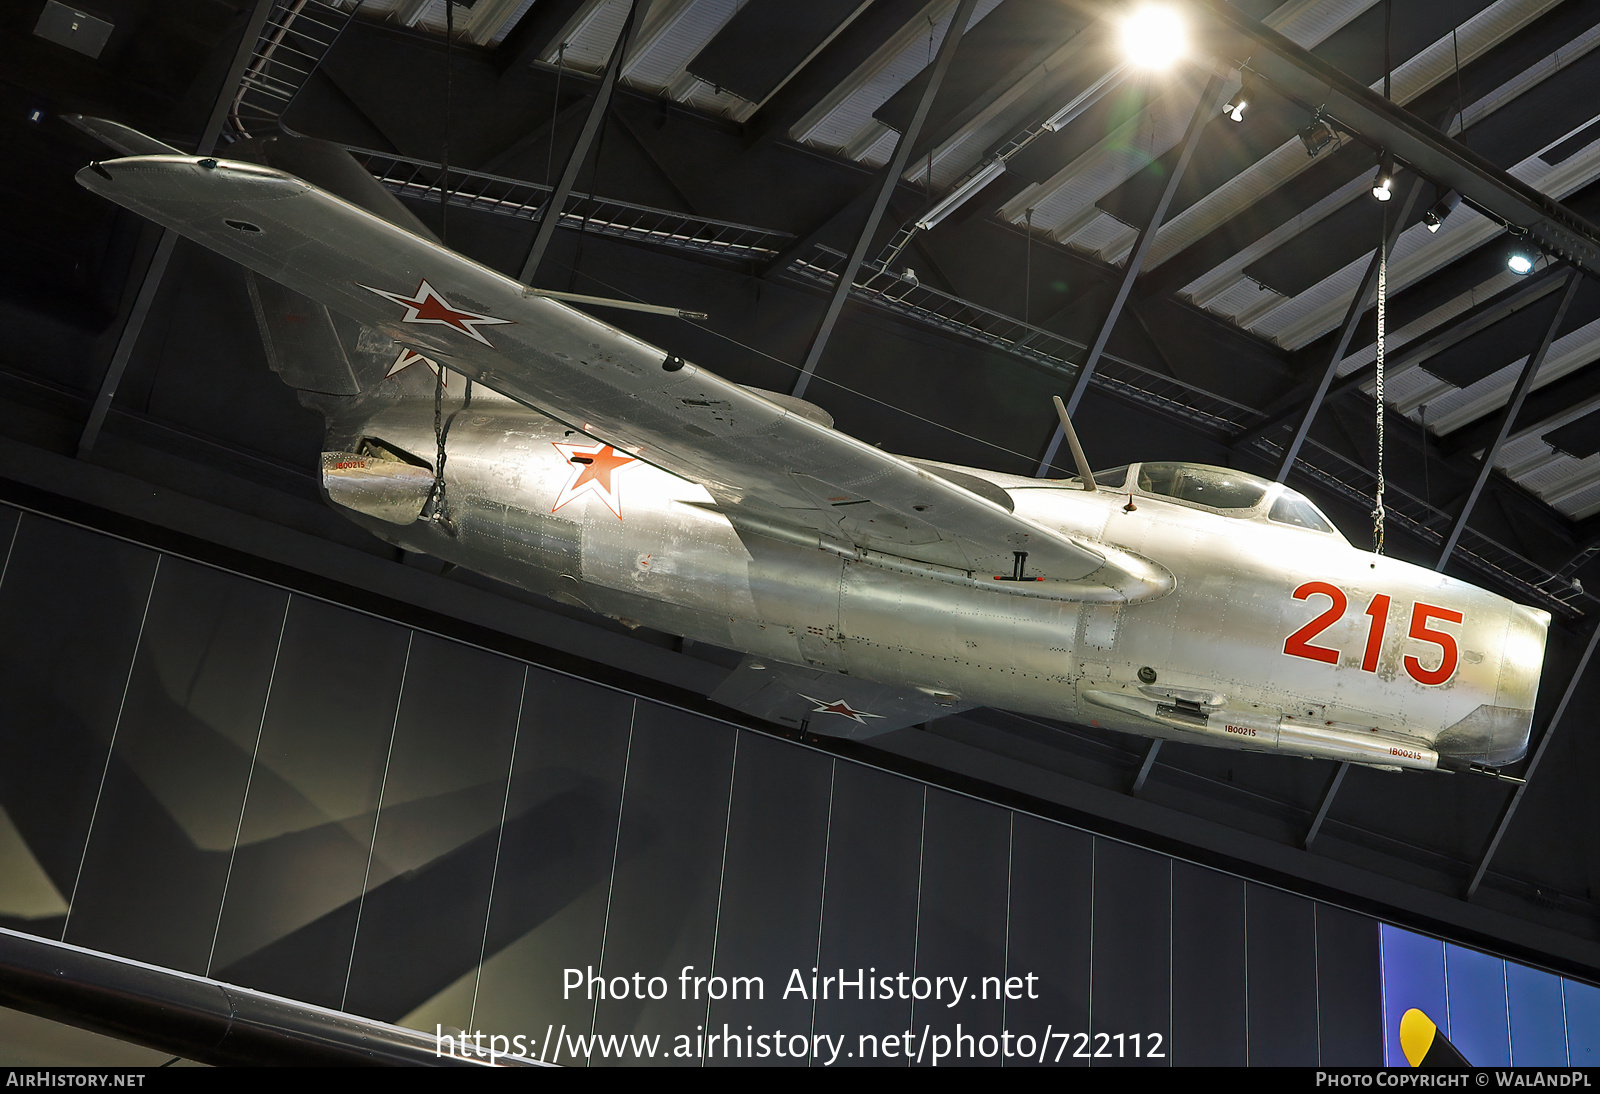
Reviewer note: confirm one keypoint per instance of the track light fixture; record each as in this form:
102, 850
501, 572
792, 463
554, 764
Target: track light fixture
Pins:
1241, 99
1441, 209
1383, 182
952, 201
1317, 136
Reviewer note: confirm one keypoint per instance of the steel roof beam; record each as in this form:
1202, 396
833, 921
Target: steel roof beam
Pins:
151, 281
1144, 768
891, 178
1533, 764
1327, 803
1301, 76
580, 151
1204, 110
1509, 415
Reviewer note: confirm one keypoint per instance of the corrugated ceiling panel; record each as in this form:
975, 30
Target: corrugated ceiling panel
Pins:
1582, 504
1528, 456
1568, 354
878, 152
767, 40
1561, 470
1242, 293
661, 61
1100, 231
840, 126
589, 45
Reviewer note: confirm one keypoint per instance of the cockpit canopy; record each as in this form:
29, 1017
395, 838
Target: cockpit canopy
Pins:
1218, 490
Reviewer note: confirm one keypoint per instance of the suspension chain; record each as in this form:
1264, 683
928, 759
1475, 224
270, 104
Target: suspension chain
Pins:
1377, 391
441, 504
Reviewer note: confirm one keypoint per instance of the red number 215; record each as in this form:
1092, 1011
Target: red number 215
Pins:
1299, 644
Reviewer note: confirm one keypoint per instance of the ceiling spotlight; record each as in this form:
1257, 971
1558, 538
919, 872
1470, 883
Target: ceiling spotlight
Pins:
1383, 183
1521, 261
1317, 136
1154, 36
1241, 98
1441, 209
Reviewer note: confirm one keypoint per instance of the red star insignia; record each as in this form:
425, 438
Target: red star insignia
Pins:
427, 306
408, 357
839, 707
593, 466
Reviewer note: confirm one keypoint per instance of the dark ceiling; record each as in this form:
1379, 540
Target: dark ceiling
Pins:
734, 171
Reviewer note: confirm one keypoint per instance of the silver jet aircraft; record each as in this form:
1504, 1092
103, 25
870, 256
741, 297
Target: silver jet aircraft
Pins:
868, 591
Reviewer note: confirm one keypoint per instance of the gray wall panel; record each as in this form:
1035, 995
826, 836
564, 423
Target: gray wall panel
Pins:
1280, 937
1349, 989
71, 609
356, 815
289, 916
961, 923
438, 830
1208, 968
1051, 912
9, 519
158, 855
869, 911
771, 909
554, 873
664, 899
1132, 898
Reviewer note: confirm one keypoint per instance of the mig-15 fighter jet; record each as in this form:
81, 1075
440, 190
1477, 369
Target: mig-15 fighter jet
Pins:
868, 591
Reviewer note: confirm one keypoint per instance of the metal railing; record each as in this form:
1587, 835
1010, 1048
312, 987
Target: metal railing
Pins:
298, 34
420, 179
1216, 415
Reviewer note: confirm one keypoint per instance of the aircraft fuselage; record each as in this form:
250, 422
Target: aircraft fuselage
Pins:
1273, 637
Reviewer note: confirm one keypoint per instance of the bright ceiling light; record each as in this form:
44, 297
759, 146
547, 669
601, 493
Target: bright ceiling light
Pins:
1154, 36
1383, 184
1241, 99
1520, 262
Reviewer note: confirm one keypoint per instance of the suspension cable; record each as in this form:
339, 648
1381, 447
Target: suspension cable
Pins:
1377, 391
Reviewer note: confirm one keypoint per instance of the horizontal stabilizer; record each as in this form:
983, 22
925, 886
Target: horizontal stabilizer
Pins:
829, 703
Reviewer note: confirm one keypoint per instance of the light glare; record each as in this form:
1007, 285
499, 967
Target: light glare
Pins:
1519, 263
1153, 37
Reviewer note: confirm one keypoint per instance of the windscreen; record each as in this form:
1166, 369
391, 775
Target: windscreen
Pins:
1214, 487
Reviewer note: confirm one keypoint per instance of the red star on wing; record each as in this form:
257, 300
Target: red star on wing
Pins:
427, 306
839, 707
594, 466
408, 357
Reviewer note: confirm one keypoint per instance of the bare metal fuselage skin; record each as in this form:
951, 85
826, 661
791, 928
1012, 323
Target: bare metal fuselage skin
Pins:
1233, 656
1179, 602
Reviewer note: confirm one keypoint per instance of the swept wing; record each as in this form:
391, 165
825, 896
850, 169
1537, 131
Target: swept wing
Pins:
767, 465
